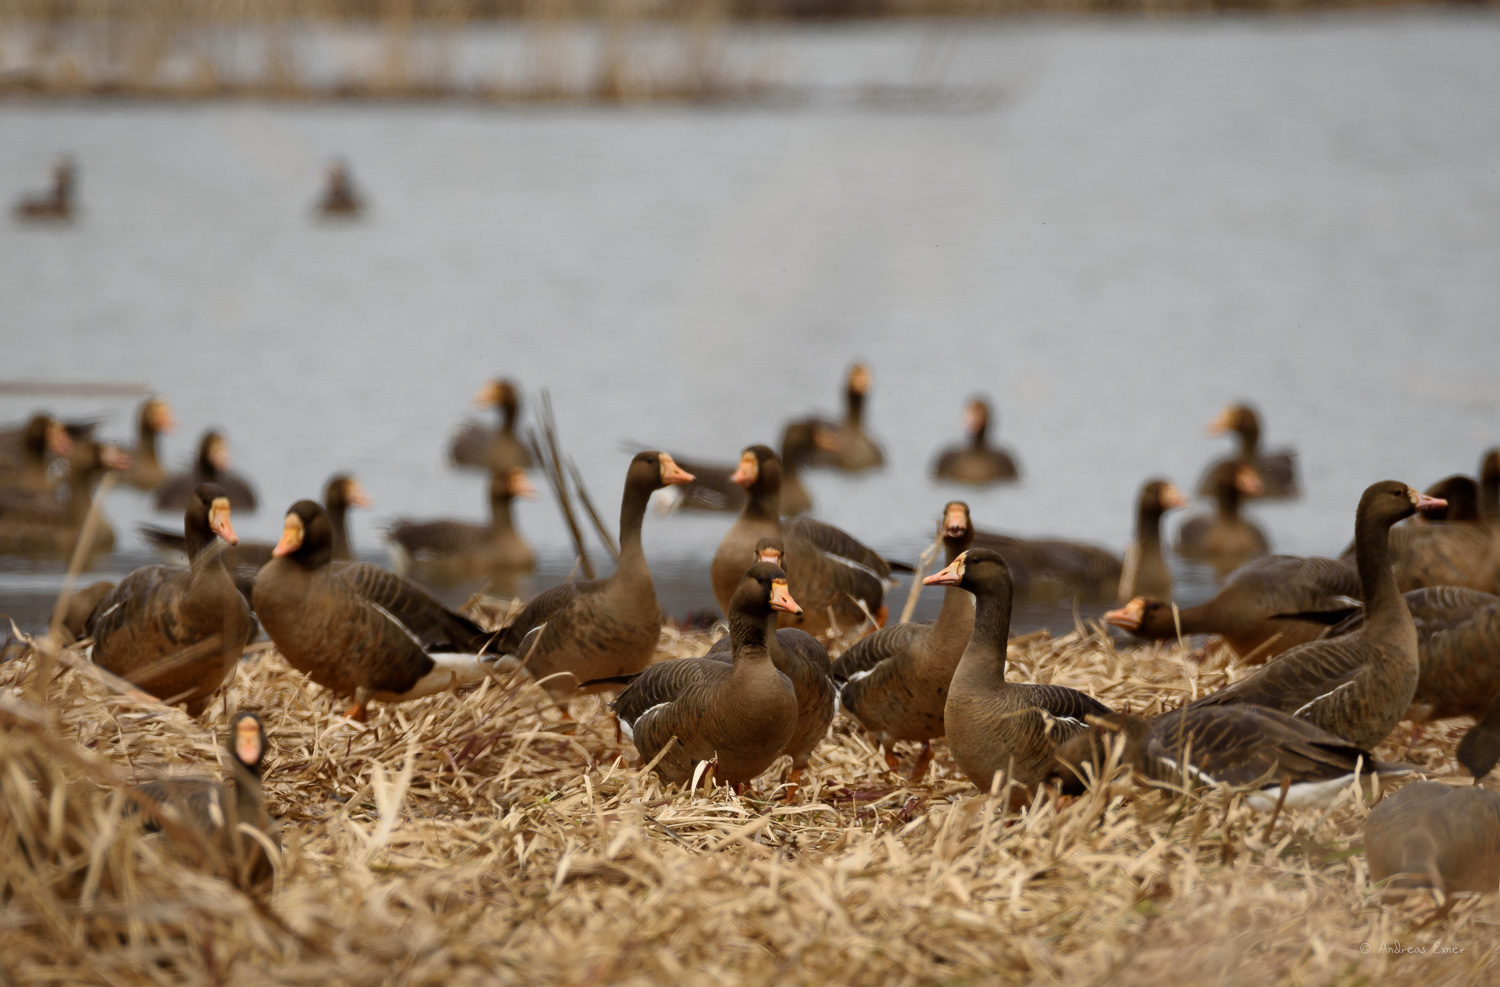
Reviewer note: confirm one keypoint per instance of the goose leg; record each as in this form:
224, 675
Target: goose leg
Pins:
919, 770
891, 760
1416, 735
356, 711
1286, 786
794, 782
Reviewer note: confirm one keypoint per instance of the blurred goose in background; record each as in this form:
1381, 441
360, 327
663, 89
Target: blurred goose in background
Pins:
359, 630
492, 448
244, 560
212, 466
218, 810
976, 461
1358, 686
25, 454
713, 487
340, 200
895, 680
55, 205
456, 550
40, 524
992, 725
1055, 568
599, 628
1277, 470
1224, 539
1462, 496
155, 418
178, 633
851, 449
1239, 746
836, 579
1431, 835
1145, 571
739, 715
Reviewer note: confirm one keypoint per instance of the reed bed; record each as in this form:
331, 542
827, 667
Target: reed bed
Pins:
479, 838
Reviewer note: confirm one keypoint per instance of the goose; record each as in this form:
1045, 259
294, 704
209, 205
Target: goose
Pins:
739, 715
1224, 539
39, 524
850, 448
976, 461
1277, 470
55, 205
992, 725
212, 466
492, 448
25, 468
358, 630
1145, 572
895, 680
340, 200
1431, 835
178, 633
455, 550
714, 489
155, 418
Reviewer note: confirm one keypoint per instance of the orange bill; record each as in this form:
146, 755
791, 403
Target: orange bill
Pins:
781, 598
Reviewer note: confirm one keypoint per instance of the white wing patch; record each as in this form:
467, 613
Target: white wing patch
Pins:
1311, 702
392, 618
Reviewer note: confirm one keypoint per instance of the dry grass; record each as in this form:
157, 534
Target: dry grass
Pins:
470, 839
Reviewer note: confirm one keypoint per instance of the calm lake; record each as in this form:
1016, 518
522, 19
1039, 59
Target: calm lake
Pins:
1111, 227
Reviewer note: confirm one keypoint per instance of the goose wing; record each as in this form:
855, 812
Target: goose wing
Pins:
418, 613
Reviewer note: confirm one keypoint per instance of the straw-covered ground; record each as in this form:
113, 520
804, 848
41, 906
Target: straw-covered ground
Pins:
475, 838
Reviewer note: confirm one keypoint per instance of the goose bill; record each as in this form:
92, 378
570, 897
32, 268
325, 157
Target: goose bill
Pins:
218, 521
1172, 497
355, 494
748, 472
781, 598
291, 537
520, 485
1128, 617
1426, 503
671, 473
951, 576
247, 741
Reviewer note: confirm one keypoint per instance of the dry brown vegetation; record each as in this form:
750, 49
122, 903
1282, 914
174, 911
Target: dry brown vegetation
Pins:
477, 838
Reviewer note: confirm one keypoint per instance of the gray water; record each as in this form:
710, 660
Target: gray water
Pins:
1151, 219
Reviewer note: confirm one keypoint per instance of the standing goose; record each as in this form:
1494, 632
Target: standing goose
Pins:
456, 550
56, 205
1359, 686
1252, 609
830, 571
895, 681
976, 461
357, 629
218, 811
178, 633
850, 448
1145, 571
245, 559
1277, 470
39, 524
713, 487
599, 628
1240, 746
25, 468
1225, 539
804, 661
740, 715
1431, 835
155, 419
491, 448
212, 466
993, 725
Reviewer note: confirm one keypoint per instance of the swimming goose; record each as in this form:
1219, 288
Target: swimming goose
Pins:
1431, 835
178, 633
850, 448
456, 550
492, 448
358, 630
212, 466
1145, 571
993, 725
599, 628
830, 571
739, 715
216, 811
976, 461
340, 200
155, 419
1224, 539
895, 681
55, 205
1356, 687
1240, 746
25, 467
40, 524
1277, 470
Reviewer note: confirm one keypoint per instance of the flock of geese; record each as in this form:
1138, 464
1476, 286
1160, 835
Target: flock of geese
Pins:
1404, 626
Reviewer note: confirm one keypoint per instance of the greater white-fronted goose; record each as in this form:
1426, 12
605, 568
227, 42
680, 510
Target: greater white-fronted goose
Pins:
1431, 835
24, 467
1277, 470
1055, 568
244, 561
54, 206
492, 448
357, 629
713, 487
1479, 749
599, 628
804, 661
895, 681
740, 715
1247, 747
40, 524
177, 633
340, 200
849, 447
976, 461
992, 725
1251, 611
1145, 571
1224, 539
1462, 496
155, 419
212, 466
454, 550
830, 571
1357, 687
216, 811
